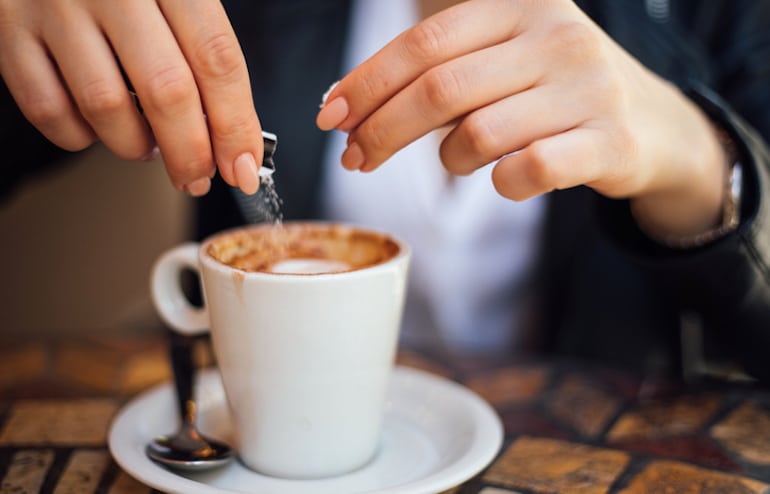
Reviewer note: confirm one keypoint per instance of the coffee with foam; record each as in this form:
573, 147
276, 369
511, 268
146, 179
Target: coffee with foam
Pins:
301, 248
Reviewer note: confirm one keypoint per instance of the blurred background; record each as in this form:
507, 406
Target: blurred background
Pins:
78, 242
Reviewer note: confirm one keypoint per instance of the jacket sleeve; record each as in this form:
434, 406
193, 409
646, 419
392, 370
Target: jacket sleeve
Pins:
727, 281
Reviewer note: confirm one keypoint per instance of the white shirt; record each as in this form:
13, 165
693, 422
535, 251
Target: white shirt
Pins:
472, 248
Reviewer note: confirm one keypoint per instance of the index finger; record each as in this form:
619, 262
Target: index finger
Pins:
454, 32
210, 46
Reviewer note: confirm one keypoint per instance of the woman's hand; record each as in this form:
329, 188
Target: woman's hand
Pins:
539, 88
62, 62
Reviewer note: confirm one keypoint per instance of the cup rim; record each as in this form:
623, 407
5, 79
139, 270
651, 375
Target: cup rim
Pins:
206, 259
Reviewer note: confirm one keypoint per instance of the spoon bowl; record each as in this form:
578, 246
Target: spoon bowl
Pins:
187, 449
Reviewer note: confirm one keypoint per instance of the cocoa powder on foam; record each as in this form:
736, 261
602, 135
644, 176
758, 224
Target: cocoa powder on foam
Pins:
257, 249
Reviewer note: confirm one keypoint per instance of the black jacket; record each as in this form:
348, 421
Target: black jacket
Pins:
604, 291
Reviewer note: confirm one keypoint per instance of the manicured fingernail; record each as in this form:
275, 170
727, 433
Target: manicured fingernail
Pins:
154, 153
198, 187
246, 175
353, 157
332, 114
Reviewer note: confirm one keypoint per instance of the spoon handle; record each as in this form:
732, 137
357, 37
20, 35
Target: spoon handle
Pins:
181, 353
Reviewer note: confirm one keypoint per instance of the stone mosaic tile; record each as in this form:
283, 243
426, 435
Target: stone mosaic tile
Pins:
582, 405
83, 472
680, 478
82, 422
549, 466
125, 484
513, 385
627, 386
124, 344
22, 363
473, 362
664, 435
90, 366
746, 432
416, 361
660, 387
144, 370
525, 421
27, 470
695, 449
45, 388
680, 416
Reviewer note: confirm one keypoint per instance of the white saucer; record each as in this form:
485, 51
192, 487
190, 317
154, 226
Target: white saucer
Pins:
436, 434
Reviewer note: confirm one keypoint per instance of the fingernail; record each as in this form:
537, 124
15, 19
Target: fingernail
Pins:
154, 153
353, 157
332, 114
246, 175
198, 187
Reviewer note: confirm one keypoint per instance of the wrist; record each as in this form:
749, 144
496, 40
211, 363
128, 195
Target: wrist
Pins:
729, 217
697, 215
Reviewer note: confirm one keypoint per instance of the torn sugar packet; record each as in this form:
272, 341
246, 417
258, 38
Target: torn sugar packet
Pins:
327, 93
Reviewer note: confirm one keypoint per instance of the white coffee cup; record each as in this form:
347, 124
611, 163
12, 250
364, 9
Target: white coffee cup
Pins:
305, 358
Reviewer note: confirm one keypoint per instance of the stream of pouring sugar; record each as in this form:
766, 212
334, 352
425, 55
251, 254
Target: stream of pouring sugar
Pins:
270, 201
267, 202
265, 205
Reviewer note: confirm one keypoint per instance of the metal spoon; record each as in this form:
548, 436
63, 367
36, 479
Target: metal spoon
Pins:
187, 449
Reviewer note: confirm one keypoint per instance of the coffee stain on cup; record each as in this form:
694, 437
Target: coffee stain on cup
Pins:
238, 279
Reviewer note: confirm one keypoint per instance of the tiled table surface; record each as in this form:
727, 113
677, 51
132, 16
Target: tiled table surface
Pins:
569, 427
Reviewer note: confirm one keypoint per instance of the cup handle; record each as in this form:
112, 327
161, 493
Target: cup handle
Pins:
167, 295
